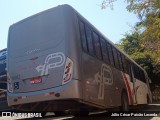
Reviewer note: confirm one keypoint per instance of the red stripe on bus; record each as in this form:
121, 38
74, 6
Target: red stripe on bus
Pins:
128, 88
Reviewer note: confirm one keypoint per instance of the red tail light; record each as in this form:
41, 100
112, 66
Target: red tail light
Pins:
68, 71
36, 80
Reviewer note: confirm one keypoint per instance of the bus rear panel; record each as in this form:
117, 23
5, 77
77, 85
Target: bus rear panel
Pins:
40, 65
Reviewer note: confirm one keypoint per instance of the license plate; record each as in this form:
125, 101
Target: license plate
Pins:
36, 80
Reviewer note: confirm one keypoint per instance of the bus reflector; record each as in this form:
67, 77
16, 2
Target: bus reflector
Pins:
36, 80
9, 83
21, 97
50, 93
67, 71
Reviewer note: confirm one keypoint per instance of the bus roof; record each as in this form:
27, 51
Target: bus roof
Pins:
66, 5
42, 12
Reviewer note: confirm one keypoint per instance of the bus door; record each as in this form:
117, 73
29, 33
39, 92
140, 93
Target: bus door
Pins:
133, 81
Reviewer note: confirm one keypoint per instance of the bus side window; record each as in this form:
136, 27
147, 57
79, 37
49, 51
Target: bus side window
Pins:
104, 51
90, 40
124, 63
136, 72
140, 75
128, 66
120, 60
110, 54
115, 57
83, 36
130, 70
97, 45
143, 76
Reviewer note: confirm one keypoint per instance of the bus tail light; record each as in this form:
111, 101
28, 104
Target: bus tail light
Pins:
67, 71
50, 93
36, 80
9, 84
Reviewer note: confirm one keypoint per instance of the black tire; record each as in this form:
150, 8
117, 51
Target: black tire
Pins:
148, 100
146, 106
43, 114
81, 113
124, 102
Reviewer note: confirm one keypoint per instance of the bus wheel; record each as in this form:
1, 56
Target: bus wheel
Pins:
124, 102
43, 114
146, 106
148, 100
80, 113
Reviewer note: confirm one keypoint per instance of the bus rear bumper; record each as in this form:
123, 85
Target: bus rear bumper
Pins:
70, 90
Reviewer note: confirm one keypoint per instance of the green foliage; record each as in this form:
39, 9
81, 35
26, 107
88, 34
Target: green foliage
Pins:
151, 35
133, 45
143, 43
143, 7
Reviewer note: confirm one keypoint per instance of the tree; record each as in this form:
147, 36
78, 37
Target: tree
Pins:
106, 3
132, 44
143, 43
140, 7
151, 40
143, 7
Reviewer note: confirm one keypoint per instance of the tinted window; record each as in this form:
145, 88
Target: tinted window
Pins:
143, 76
124, 63
115, 57
104, 50
89, 40
97, 45
111, 59
83, 36
120, 60
136, 72
128, 65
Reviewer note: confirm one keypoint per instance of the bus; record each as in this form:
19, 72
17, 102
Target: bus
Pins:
3, 73
3, 82
59, 61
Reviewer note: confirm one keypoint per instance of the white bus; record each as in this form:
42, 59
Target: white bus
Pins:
58, 61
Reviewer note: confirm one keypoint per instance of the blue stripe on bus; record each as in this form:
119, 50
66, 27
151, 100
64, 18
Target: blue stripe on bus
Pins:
41, 91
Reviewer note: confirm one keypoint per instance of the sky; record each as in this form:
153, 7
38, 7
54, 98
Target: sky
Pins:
112, 23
